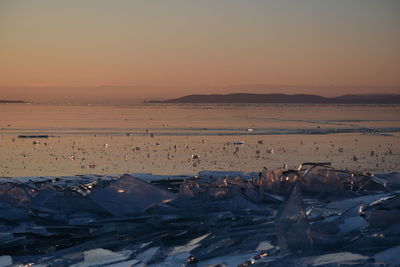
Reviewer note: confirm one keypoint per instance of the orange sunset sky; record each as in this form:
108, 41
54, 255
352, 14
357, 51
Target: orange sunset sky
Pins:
117, 50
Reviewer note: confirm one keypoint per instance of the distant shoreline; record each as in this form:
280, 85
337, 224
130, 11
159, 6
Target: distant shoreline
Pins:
12, 102
284, 98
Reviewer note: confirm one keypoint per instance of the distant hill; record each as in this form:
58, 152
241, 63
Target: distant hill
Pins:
367, 99
284, 98
12, 101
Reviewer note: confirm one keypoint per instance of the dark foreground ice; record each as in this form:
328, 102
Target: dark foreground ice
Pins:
313, 216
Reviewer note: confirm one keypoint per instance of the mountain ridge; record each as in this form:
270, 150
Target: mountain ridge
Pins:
285, 98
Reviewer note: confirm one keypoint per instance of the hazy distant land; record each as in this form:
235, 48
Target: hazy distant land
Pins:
12, 101
271, 98
285, 98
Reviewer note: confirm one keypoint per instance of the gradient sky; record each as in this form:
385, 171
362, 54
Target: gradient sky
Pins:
167, 48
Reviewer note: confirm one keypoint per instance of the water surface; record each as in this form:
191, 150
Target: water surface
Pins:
201, 119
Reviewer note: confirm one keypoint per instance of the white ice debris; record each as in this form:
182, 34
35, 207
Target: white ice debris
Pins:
264, 245
100, 256
5, 261
333, 258
189, 246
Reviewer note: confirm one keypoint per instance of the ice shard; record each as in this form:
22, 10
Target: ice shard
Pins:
129, 195
220, 189
6, 260
322, 180
341, 258
18, 195
52, 201
383, 212
291, 224
101, 257
275, 181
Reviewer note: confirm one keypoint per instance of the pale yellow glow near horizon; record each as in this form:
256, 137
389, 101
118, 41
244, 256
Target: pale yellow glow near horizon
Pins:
188, 45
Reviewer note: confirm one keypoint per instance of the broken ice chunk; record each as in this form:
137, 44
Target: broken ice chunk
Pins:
51, 201
10, 213
31, 229
233, 259
253, 194
133, 262
383, 212
240, 203
389, 256
291, 224
322, 180
355, 223
180, 259
341, 257
5, 260
189, 246
215, 247
264, 245
16, 194
392, 179
129, 195
190, 188
148, 255
4, 237
219, 189
278, 181
100, 256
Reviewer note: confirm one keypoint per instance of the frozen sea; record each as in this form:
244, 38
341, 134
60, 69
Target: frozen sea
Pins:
164, 138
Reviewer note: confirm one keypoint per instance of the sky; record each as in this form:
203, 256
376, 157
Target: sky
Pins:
126, 49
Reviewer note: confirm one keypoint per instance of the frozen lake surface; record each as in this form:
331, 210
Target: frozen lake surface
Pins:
199, 119
177, 139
